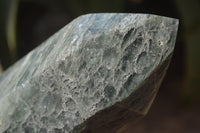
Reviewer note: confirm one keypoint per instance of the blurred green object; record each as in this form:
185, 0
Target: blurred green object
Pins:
11, 28
189, 11
8, 45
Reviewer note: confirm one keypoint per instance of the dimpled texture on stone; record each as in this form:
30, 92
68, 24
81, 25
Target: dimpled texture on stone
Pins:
96, 74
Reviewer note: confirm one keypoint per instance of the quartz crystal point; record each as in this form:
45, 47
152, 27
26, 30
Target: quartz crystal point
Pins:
95, 75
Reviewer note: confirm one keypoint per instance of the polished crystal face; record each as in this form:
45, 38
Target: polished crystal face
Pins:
99, 70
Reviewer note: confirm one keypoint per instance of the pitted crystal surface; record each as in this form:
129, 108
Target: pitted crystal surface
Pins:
96, 74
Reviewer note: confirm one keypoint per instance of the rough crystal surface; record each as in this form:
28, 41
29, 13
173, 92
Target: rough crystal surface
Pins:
96, 74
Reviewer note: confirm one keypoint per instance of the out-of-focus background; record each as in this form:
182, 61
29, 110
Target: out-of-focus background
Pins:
24, 24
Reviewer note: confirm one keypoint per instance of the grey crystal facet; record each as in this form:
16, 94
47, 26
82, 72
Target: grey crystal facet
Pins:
96, 74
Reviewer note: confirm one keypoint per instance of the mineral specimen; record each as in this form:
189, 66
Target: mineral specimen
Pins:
95, 75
